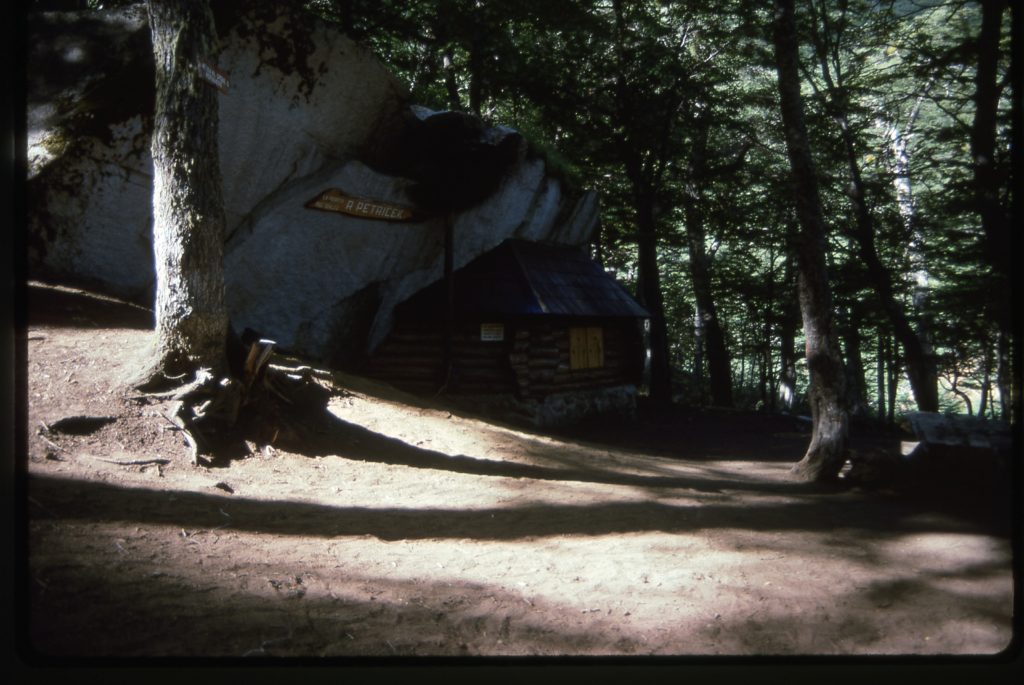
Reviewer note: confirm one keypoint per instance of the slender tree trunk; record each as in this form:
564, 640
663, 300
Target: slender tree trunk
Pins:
188, 207
1003, 382
643, 184
880, 373
986, 378
650, 296
895, 365
921, 367
826, 453
450, 83
995, 219
856, 388
719, 367
787, 339
765, 354
698, 350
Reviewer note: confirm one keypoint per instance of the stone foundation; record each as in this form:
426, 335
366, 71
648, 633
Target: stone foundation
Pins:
556, 409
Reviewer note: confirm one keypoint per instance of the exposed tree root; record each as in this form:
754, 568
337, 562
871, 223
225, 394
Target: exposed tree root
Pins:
222, 416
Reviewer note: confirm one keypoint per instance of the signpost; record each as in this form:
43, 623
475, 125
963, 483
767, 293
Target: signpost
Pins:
334, 200
214, 76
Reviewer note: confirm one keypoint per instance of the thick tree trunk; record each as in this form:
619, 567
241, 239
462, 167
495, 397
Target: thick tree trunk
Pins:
188, 208
826, 454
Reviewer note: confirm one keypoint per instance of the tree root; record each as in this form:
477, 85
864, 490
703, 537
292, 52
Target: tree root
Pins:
268, 401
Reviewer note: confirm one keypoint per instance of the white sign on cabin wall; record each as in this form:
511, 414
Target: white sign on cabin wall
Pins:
492, 332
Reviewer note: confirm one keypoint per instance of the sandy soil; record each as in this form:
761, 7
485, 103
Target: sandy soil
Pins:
403, 528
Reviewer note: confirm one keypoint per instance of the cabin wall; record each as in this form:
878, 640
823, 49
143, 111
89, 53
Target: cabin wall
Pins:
411, 359
542, 357
534, 359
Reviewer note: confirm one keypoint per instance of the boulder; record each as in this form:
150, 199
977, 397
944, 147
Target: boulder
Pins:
306, 111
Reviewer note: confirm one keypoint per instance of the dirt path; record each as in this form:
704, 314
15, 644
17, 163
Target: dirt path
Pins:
404, 529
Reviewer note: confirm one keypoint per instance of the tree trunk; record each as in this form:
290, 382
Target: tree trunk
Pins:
643, 184
650, 296
719, 367
880, 373
986, 378
698, 350
826, 453
856, 388
988, 181
787, 339
188, 207
893, 378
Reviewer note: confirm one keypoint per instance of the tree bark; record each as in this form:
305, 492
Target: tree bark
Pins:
188, 207
826, 453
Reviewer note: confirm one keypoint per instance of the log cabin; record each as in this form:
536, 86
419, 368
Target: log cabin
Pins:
531, 330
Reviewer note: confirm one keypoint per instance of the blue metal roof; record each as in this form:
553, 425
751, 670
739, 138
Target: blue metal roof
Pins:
521, 278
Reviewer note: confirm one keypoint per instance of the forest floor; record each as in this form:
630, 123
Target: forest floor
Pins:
404, 528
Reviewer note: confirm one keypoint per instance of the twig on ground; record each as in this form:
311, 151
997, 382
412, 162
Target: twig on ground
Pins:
33, 500
193, 443
131, 462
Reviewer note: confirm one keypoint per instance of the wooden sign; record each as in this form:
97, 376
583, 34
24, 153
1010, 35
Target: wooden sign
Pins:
334, 200
214, 76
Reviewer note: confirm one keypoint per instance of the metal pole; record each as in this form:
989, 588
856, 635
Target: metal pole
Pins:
449, 320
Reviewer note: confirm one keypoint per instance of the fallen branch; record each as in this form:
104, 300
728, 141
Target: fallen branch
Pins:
131, 462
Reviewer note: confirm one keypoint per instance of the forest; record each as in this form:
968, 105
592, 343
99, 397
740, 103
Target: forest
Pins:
671, 110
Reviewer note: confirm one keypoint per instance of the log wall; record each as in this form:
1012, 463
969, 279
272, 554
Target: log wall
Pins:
532, 361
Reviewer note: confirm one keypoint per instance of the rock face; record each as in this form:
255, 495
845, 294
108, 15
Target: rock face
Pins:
306, 110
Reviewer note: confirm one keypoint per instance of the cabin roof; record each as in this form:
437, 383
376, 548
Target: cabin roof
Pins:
522, 278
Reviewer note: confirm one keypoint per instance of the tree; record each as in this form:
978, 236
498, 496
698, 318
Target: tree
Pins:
188, 206
826, 453
828, 34
989, 180
707, 321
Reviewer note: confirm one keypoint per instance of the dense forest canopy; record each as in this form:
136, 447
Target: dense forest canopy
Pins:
670, 109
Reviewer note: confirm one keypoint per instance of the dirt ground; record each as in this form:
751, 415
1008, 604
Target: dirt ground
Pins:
406, 529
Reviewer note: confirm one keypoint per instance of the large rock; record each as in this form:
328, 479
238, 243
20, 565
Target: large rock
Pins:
306, 110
